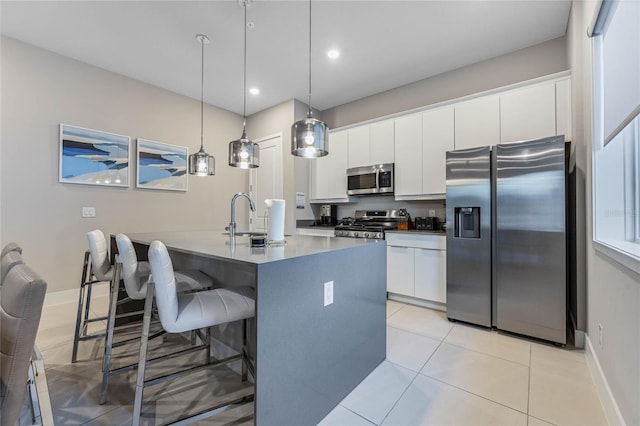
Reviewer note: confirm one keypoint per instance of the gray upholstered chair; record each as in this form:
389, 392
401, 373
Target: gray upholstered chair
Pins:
182, 312
21, 299
135, 275
11, 247
7, 262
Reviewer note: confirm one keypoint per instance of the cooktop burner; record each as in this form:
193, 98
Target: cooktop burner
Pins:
368, 224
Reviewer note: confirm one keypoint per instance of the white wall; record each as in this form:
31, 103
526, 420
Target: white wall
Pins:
613, 291
40, 90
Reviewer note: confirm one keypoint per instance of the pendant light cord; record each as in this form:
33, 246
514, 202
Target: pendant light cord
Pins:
202, 97
309, 56
244, 92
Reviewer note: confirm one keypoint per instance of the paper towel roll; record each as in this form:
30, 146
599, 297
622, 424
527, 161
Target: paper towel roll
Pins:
276, 219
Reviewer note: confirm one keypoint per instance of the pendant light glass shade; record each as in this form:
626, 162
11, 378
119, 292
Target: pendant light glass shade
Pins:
201, 163
309, 137
243, 153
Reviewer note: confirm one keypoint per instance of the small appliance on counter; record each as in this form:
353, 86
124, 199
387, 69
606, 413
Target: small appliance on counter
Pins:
426, 223
328, 215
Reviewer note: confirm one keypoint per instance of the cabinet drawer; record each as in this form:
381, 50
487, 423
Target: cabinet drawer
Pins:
417, 240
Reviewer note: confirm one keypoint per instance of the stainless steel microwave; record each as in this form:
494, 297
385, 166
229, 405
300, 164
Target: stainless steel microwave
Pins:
370, 180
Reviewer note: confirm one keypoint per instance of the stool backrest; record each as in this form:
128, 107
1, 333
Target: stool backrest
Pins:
132, 280
11, 247
8, 261
99, 254
165, 283
21, 300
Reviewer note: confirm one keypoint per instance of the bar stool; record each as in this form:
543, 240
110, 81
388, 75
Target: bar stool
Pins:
11, 247
186, 312
96, 269
135, 275
9, 260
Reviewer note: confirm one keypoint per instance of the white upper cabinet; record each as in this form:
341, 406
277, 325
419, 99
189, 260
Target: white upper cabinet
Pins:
563, 108
371, 144
477, 122
328, 173
382, 142
528, 113
408, 155
437, 139
359, 146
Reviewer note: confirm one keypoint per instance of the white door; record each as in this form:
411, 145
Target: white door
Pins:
266, 181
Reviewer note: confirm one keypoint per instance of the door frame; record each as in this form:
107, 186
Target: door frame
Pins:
278, 173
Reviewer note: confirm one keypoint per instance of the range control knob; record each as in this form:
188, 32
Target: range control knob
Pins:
366, 235
356, 234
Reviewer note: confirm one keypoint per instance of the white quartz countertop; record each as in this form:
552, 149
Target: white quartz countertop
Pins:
215, 244
418, 232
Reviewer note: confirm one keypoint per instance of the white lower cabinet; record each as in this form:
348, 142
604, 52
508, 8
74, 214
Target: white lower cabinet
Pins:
430, 271
400, 274
416, 265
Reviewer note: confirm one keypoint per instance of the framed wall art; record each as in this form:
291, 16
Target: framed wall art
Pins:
161, 166
93, 157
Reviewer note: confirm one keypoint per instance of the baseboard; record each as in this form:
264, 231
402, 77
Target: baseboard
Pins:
611, 410
418, 302
67, 296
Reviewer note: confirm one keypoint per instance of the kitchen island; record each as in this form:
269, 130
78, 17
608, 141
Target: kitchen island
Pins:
308, 356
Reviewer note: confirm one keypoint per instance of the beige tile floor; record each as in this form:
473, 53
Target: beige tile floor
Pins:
436, 373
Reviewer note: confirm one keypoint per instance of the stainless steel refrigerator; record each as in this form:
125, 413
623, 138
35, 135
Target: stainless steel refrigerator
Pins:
508, 232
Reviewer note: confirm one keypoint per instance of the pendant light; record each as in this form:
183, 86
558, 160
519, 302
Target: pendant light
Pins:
243, 153
201, 163
309, 137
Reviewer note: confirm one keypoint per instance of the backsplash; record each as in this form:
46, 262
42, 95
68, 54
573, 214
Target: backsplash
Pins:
415, 208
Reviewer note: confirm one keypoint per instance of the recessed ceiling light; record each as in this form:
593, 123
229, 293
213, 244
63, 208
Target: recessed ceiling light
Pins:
333, 53
254, 91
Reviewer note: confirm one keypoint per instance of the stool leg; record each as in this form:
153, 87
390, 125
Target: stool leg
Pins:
142, 358
108, 343
245, 351
83, 280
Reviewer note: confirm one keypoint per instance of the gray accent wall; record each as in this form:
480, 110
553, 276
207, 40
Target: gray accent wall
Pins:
40, 90
535, 61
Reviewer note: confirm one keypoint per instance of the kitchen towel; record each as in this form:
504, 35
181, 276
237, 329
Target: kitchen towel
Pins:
276, 219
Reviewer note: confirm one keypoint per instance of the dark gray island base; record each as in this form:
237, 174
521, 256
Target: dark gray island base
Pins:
308, 356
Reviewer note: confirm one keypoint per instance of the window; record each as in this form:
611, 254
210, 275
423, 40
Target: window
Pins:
616, 136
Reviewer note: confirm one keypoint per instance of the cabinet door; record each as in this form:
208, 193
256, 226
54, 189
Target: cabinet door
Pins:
408, 155
381, 142
528, 113
359, 147
437, 139
563, 108
477, 122
328, 174
400, 270
430, 275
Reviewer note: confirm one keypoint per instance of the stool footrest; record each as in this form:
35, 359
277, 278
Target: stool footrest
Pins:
160, 379
218, 409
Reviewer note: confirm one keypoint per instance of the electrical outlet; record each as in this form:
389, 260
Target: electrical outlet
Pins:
88, 212
432, 213
600, 335
328, 293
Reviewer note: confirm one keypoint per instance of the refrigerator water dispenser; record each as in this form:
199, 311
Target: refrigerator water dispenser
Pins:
467, 222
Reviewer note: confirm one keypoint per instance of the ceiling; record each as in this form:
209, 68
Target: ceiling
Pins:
383, 44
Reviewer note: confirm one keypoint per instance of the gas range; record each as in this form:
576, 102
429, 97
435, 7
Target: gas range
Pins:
369, 224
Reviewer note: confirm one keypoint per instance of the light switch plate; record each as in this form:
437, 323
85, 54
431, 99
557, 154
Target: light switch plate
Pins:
328, 293
432, 213
88, 212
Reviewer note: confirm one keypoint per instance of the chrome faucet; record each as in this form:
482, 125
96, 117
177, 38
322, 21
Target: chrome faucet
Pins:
232, 224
